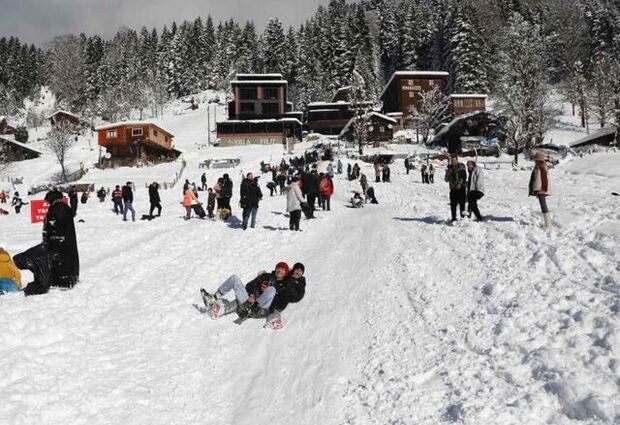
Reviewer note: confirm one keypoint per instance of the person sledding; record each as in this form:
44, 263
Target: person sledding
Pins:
290, 290
252, 300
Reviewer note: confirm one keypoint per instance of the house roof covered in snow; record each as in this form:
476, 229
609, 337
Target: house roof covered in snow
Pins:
606, 134
370, 114
276, 76
134, 124
60, 111
414, 74
251, 82
262, 121
10, 139
468, 96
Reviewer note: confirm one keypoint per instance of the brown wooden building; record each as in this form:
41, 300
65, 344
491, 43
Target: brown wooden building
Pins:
380, 129
260, 112
12, 150
405, 87
328, 117
68, 118
134, 141
5, 127
467, 103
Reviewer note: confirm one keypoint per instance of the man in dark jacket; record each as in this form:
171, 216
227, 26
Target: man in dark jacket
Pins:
60, 242
310, 189
128, 201
226, 194
250, 197
251, 300
73, 200
203, 180
117, 198
154, 199
35, 259
456, 176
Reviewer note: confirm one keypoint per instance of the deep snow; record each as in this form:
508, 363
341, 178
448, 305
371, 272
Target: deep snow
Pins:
406, 320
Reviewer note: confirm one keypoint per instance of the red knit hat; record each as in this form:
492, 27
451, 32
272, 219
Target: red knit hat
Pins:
283, 265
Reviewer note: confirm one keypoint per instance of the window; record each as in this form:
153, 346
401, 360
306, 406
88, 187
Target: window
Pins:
382, 129
247, 93
136, 132
247, 107
270, 93
270, 108
154, 133
410, 82
110, 134
411, 94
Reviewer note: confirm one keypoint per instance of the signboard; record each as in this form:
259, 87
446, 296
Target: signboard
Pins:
38, 209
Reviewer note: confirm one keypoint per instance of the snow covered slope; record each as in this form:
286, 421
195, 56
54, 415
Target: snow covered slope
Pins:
405, 321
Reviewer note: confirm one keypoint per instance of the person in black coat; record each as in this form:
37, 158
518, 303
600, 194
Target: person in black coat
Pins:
227, 190
250, 197
35, 260
154, 199
73, 200
60, 242
291, 290
128, 201
310, 189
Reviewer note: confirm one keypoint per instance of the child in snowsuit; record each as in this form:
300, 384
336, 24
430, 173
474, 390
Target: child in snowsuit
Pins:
210, 202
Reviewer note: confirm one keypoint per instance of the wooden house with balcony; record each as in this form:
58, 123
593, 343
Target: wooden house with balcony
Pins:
380, 129
130, 142
468, 103
404, 89
260, 112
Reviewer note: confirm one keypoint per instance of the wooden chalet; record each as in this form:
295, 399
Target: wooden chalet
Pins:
65, 117
12, 150
5, 127
380, 129
404, 89
467, 103
260, 112
128, 142
328, 118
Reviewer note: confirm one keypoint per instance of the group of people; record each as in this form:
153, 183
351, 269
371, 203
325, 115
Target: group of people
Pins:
302, 195
265, 296
464, 187
428, 174
54, 261
17, 203
382, 172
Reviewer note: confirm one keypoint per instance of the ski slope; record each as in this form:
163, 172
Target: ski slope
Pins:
406, 320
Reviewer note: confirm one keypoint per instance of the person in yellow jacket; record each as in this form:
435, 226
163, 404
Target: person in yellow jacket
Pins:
10, 276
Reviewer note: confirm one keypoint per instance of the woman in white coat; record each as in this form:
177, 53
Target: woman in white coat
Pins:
294, 199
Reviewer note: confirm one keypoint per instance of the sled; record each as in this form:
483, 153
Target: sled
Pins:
199, 210
147, 217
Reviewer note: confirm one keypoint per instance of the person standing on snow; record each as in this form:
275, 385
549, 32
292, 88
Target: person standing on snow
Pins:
188, 199
407, 165
456, 176
475, 188
227, 191
339, 166
539, 186
386, 173
154, 199
203, 180
326, 189
252, 300
60, 242
310, 189
377, 173
294, 201
73, 200
251, 195
127, 192
364, 184
431, 174
17, 203
210, 202
117, 198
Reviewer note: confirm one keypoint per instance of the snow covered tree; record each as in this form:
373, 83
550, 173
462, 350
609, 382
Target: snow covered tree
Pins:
433, 109
66, 72
522, 89
60, 140
361, 108
274, 46
468, 62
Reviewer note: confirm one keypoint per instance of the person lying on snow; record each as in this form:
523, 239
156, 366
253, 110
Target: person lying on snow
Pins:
267, 294
10, 276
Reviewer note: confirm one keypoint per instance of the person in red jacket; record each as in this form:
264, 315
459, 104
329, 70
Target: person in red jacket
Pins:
326, 188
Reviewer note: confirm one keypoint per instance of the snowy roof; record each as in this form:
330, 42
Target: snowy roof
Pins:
370, 114
261, 121
259, 82
394, 114
277, 75
584, 141
131, 123
340, 102
413, 74
10, 139
60, 111
469, 96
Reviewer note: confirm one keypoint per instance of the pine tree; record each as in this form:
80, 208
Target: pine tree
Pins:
274, 46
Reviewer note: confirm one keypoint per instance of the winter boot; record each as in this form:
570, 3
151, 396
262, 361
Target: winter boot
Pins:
547, 217
244, 310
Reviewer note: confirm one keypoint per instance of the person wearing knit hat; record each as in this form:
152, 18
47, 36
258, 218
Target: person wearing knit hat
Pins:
539, 186
252, 300
292, 290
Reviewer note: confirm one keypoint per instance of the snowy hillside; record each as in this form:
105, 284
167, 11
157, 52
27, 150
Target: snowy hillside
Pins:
405, 321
